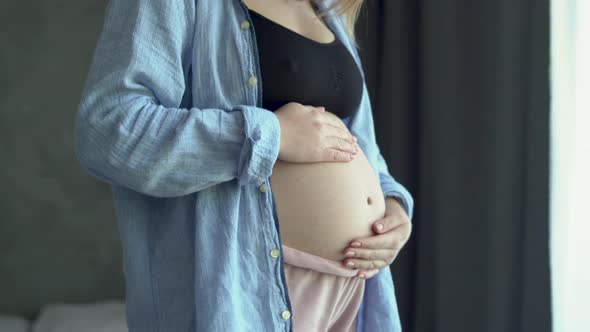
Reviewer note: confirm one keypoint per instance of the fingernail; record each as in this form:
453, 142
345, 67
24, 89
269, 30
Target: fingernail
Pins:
379, 227
350, 253
350, 264
362, 275
355, 244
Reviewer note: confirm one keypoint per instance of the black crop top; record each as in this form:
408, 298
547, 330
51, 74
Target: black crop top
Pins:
295, 68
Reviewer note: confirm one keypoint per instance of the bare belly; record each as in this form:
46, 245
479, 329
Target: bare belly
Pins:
322, 206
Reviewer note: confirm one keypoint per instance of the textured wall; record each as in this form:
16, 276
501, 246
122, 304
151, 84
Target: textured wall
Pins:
58, 237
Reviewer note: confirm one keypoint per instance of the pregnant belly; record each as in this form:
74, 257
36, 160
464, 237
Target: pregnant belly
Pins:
322, 206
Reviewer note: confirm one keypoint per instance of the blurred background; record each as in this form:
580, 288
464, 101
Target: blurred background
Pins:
481, 110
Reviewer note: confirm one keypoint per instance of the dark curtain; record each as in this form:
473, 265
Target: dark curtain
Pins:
460, 91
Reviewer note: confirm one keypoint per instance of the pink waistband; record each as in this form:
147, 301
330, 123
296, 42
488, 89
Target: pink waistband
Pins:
304, 259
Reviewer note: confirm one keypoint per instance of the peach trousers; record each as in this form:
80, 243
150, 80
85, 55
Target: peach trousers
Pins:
325, 295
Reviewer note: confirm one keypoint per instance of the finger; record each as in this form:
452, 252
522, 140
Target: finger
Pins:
378, 241
341, 144
353, 263
398, 236
370, 254
339, 131
386, 255
312, 107
336, 155
367, 274
337, 149
395, 215
390, 222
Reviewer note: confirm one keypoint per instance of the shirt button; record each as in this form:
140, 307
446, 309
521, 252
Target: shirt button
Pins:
245, 24
264, 187
252, 80
286, 314
275, 253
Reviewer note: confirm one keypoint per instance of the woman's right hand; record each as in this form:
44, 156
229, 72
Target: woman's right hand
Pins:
310, 134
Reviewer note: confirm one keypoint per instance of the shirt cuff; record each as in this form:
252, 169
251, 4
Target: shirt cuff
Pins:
263, 135
401, 194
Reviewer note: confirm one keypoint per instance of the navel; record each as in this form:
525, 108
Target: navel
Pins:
369, 201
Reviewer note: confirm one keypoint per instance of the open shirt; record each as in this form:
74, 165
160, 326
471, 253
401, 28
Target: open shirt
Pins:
171, 118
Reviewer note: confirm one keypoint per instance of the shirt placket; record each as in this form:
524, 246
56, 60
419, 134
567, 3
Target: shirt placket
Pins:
273, 254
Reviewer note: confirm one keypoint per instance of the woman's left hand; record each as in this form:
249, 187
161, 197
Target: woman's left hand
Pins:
380, 250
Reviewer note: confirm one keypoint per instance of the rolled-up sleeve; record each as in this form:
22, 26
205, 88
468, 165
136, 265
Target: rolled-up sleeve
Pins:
392, 188
129, 128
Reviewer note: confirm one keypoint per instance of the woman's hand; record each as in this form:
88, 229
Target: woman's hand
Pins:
380, 250
310, 134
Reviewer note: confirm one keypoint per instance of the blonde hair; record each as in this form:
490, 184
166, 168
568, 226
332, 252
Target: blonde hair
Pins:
349, 10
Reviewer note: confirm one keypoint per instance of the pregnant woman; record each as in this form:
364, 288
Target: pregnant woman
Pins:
238, 140
320, 206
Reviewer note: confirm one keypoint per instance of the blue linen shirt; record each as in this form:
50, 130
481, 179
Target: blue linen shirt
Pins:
171, 118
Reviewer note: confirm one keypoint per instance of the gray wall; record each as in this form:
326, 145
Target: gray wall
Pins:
59, 241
